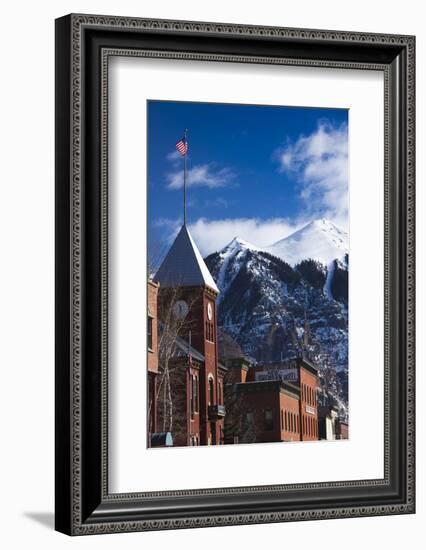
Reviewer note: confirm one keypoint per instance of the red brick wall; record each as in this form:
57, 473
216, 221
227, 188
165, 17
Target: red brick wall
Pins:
343, 430
308, 405
256, 403
194, 423
289, 418
152, 311
210, 364
236, 373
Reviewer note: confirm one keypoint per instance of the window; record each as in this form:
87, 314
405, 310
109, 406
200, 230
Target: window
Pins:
282, 419
219, 393
209, 331
196, 395
149, 332
268, 419
211, 391
191, 395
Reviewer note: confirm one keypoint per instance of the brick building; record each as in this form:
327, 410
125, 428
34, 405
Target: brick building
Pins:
274, 402
152, 345
188, 344
342, 429
262, 412
189, 389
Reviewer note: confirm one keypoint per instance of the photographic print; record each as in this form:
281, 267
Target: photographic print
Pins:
248, 265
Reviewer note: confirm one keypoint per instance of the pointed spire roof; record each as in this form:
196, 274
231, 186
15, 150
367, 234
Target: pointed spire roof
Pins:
184, 265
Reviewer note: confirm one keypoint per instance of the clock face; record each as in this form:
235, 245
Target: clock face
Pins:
180, 309
209, 311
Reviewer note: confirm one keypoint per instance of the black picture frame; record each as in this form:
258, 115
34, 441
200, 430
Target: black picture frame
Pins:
83, 504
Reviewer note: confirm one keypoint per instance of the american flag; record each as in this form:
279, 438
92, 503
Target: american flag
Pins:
182, 146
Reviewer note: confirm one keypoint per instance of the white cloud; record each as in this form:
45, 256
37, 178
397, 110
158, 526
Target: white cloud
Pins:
212, 235
202, 175
319, 162
174, 156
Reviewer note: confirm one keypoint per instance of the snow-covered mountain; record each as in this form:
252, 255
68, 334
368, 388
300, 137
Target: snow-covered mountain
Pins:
275, 309
319, 240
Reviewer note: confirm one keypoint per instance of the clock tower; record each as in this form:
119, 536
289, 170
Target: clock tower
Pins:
189, 292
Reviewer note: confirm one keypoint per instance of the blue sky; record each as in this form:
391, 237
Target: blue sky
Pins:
259, 172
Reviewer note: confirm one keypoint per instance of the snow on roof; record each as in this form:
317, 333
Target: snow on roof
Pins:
184, 265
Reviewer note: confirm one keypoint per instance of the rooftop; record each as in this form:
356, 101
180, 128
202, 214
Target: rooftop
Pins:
184, 265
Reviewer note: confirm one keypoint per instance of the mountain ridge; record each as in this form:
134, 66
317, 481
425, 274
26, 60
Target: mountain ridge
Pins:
320, 240
275, 310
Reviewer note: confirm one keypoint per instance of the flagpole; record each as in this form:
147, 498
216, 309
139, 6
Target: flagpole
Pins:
184, 177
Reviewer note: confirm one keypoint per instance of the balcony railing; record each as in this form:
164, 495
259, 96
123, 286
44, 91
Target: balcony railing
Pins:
216, 412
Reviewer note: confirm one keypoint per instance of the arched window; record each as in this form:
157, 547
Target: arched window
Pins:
211, 390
